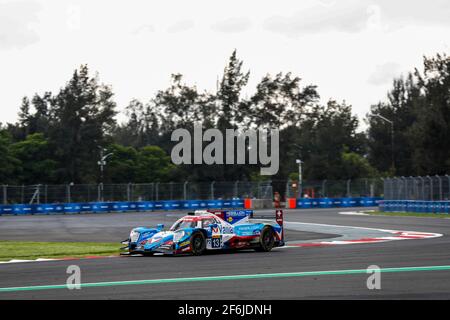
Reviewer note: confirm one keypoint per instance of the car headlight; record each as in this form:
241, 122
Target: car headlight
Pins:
178, 236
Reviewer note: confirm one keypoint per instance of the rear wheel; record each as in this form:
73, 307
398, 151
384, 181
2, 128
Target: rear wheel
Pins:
198, 243
266, 240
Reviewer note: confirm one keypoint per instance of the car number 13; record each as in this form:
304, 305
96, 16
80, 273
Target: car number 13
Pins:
216, 243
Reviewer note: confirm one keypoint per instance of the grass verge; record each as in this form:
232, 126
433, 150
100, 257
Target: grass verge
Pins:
408, 214
28, 250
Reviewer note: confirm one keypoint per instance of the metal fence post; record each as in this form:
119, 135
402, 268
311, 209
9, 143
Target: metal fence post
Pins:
324, 194
386, 188
258, 190
287, 193
212, 190
394, 188
405, 188
392, 182
157, 191
440, 187
348, 188
185, 190
68, 193
448, 187
431, 187
129, 191
5, 194
423, 187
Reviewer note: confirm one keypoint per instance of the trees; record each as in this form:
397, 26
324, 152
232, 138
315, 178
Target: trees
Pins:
231, 110
154, 165
57, 136
280, 101
147, 164
401, 109
430, 134
9, 165
81, 118
183, 105
356, 166
35, 155
334, 133
72, 124
419, 105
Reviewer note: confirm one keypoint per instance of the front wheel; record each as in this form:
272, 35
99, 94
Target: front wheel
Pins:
198, 243
266, 240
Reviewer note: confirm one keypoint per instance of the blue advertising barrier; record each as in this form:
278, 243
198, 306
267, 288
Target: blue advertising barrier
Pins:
415, 206
99, 207
337, 202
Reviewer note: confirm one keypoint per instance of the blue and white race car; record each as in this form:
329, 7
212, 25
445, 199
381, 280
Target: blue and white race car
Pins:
208, 230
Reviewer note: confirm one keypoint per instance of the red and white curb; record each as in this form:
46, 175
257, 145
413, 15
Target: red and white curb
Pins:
396, 235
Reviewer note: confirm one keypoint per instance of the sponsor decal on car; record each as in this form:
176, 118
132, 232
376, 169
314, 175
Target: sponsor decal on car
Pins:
185, 243
227, 229
215, 231
156, 239
237, 213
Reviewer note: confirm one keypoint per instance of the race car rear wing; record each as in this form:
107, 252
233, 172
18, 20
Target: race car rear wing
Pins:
233, 216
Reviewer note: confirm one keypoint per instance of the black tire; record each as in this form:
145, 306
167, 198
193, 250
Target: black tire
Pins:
266, 240
198, 243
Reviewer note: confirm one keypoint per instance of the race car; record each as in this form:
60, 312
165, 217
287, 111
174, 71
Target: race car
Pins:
205, 230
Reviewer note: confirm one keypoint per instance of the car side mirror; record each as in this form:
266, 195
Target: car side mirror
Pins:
160, 226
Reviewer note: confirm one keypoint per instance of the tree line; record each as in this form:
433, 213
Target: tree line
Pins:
58, 136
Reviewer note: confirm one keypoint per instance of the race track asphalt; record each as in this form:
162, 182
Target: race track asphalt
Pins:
406, 254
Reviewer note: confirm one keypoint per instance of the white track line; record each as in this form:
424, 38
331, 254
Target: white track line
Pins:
353, 213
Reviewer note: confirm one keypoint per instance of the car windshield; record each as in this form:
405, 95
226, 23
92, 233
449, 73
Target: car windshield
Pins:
181, 224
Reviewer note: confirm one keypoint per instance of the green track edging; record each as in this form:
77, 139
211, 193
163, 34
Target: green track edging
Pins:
224, 278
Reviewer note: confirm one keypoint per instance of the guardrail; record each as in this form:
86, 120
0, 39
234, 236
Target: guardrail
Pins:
415, 206
333, 202
101, 207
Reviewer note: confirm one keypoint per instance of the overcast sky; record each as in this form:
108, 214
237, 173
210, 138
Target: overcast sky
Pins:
350, 49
